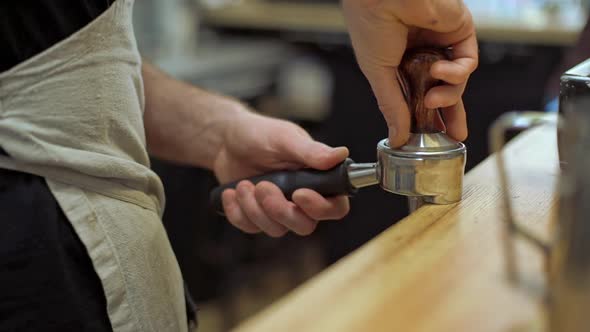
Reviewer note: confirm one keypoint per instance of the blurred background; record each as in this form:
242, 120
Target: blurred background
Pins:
292, 59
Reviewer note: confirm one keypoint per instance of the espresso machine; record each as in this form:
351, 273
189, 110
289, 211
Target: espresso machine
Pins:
566, 294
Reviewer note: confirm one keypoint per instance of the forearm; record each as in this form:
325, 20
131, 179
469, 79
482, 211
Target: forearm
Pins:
183, 123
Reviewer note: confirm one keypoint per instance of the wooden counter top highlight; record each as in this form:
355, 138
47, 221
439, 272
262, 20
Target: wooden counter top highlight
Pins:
440, 269
322, 17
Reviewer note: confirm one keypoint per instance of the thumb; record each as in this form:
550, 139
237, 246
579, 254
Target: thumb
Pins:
392, 104
309, 153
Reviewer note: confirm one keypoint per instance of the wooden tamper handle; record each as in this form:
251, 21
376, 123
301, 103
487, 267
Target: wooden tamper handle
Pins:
415, 79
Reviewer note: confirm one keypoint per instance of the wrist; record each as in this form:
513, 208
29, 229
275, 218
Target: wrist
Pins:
185, 124
227, 113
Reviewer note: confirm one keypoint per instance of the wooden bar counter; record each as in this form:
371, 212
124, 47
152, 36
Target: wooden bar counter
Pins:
440, 269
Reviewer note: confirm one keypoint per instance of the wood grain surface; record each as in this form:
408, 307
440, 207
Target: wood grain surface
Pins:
440, 269
323, 17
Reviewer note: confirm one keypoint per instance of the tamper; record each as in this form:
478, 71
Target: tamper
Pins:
429, 168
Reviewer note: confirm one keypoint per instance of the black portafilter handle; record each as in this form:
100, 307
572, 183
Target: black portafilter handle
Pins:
333, 182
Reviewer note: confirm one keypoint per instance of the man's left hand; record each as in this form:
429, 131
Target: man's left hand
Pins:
253, 145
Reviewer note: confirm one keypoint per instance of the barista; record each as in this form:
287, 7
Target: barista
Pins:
82, 245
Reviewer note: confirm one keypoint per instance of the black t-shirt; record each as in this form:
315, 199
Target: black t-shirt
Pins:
28, 27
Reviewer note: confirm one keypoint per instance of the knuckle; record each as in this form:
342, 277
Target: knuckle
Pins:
242, 185
263, 189
263, 186
283, 214
250, 210
242, 190
313, 212
273, 211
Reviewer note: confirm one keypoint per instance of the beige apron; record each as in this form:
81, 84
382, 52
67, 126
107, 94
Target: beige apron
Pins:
74, 115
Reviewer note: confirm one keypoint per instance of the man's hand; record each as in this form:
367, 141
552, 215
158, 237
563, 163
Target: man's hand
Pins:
190, 126
381, 30
255, 144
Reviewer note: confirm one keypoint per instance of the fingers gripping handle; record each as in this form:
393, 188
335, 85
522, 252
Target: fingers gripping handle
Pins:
415, 80
333, 182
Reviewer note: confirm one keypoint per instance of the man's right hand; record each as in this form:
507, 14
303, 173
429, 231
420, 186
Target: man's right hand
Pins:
381, 30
